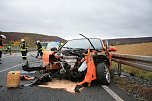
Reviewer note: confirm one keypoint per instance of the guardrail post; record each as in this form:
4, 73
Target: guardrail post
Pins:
119, 68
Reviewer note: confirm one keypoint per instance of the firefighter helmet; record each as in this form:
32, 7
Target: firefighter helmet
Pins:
22, 40
3, 36
37, 41
62, 43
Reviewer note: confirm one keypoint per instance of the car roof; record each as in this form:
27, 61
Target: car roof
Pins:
84, 38
91, 39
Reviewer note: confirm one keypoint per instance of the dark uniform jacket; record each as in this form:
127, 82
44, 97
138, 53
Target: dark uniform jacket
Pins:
39, 46
1, 43
23, 46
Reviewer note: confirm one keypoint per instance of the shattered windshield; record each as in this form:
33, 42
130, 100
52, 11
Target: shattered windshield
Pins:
82, 43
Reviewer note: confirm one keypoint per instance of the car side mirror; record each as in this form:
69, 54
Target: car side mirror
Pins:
112, 49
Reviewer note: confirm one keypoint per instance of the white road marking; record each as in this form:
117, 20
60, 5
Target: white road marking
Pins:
114, 95
10, 68
7, 56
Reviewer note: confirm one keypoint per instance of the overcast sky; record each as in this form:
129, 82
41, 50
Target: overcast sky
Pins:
68, 18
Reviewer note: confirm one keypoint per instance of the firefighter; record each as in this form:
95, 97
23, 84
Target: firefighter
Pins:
8, 49
1, 45
39, 49
61, 44
24, 49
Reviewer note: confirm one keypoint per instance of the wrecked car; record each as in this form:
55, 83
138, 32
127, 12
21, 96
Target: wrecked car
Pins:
75, 56
85, 60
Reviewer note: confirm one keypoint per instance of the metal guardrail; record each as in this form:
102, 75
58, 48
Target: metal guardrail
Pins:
137, 61
15, 50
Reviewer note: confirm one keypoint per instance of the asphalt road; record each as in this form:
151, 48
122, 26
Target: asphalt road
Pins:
36, 93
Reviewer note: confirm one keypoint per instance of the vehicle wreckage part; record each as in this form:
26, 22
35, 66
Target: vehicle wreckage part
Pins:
79, 88
82, 67
103, 74
64, 66
91, 70
26, 67
26, 77
44, 78
62, 71
71, 60
89, 41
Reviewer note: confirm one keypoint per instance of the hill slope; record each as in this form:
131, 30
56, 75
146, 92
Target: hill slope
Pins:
120, 41
15, 37
31, 38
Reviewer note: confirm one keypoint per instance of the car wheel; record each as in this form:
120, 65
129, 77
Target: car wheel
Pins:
103, 74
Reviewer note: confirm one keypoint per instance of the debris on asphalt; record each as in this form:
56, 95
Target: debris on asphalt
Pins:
61, 84
79, 88
27, 73
26, 77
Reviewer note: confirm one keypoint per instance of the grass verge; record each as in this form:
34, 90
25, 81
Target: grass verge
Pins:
140, 92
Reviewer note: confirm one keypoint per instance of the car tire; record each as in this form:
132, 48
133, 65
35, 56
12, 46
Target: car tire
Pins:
103, 74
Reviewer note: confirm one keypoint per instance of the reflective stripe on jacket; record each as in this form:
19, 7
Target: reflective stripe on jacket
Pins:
23, 46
